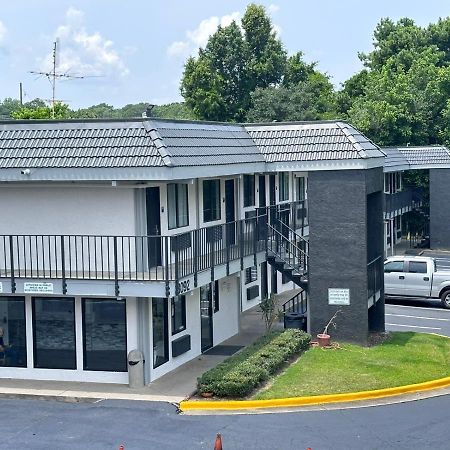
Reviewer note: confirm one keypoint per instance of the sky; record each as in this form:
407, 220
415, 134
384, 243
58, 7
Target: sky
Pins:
134, 51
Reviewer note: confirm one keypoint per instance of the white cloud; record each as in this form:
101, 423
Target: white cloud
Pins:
3, 32
199, 37
84, 53
272, 8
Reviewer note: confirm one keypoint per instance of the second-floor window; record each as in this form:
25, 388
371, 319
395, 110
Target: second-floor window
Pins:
211, 200
249, 190
177, 205
301, 188
283, 181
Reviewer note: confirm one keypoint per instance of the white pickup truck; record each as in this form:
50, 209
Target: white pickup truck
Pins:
416, 277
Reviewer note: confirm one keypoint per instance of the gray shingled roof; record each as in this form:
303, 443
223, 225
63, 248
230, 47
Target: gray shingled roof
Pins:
123, 143
311, 141
403, 158
203, 143
77, 144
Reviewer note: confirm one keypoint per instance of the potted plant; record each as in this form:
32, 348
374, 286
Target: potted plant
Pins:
324, 338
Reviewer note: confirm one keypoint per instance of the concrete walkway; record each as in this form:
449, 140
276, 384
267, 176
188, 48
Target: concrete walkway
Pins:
172, 387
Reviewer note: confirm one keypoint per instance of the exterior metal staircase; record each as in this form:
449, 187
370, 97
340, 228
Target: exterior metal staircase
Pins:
287, 252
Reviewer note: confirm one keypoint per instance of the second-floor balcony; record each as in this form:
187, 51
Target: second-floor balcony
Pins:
402, 201
174, 262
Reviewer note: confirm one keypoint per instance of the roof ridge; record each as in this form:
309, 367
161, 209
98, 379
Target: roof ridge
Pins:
158, 142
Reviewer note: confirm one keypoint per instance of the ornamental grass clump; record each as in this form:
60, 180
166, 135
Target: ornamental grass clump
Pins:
240, 374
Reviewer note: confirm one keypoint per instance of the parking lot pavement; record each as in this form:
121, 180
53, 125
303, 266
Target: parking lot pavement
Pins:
424, 317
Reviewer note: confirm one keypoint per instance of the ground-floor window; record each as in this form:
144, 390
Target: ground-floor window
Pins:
104, 334
178, 313
54, 333
160, 332
13, 348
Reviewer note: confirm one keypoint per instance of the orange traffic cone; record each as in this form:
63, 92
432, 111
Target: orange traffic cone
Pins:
218, 443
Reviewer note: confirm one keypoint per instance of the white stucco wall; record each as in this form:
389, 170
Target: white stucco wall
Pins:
226, 322
67, 210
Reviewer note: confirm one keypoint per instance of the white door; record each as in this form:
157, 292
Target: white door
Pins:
417, 279
394, 277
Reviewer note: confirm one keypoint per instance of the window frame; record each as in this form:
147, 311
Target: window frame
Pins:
178, 198
283, 186
174, 311
218, 202
249, 190
394, 271
253, 272
421, 263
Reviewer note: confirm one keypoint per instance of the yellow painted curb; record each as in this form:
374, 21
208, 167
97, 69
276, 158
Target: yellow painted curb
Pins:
236, 405
188, 405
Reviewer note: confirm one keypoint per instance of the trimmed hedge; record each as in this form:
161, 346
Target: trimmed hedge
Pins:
238, 375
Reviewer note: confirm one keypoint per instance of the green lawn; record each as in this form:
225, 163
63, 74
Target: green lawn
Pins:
405, 358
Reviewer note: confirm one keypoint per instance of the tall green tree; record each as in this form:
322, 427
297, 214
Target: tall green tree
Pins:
60, 111
217, 84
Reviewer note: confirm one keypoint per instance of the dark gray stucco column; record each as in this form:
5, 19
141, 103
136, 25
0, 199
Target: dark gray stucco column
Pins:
439, 208
339, 250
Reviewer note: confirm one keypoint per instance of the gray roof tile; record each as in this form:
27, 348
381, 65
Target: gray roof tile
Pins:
311, 141
403, 158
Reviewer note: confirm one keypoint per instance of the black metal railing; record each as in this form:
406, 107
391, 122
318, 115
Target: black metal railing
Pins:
293, 213
375, 276
298, 304
285, 243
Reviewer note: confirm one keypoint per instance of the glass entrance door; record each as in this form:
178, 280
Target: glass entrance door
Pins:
206, 312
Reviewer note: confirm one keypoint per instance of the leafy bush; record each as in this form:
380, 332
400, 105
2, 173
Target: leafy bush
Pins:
238, 375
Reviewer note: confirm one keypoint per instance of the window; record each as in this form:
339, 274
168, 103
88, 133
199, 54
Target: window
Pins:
394, 266
177, 205
387, 183
178, 314
216, 296
104, 334
251, 274
398, 181
211, 200
249, 190
160, 336
13, 348
301, 188
54, 333
283, 181
417, 267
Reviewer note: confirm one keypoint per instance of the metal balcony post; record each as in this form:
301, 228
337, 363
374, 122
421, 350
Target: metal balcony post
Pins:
241, 242
212, 251
166, 263
177, 257
63, 267
195, 262
11, 256
116, 267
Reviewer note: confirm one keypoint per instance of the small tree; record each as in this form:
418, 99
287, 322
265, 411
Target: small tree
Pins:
269, 311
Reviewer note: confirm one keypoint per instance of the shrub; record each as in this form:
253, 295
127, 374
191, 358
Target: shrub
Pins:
238, 375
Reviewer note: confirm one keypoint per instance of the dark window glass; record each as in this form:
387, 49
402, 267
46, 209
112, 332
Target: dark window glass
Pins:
211, 200
54, 333
177, 205
301, 188
13, 348
160, 333
249, 190
394, 266
104, 335
283, 179
178, 314
216, 296
417, 267
251, 274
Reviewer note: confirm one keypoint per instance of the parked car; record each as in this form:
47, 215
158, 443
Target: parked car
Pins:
416, 277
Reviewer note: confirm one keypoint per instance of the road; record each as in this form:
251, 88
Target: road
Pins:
420, 316
34, 424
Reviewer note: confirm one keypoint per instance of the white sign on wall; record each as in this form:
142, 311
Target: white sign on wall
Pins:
1, 287
38, 288
338, 296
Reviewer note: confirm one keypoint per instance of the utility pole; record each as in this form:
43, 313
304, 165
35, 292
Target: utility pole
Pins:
21, 94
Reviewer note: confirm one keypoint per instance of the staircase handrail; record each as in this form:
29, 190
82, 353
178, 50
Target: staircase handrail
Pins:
290, 243
293, 231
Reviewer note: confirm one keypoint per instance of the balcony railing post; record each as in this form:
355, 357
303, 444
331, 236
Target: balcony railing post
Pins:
63, 267
166, 265
195, 262
116, 267
212, 250
177, 261
241, 242
228, 233
255, 239
11, 256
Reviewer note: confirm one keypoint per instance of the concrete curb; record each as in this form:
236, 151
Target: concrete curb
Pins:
292, 402
237, 405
